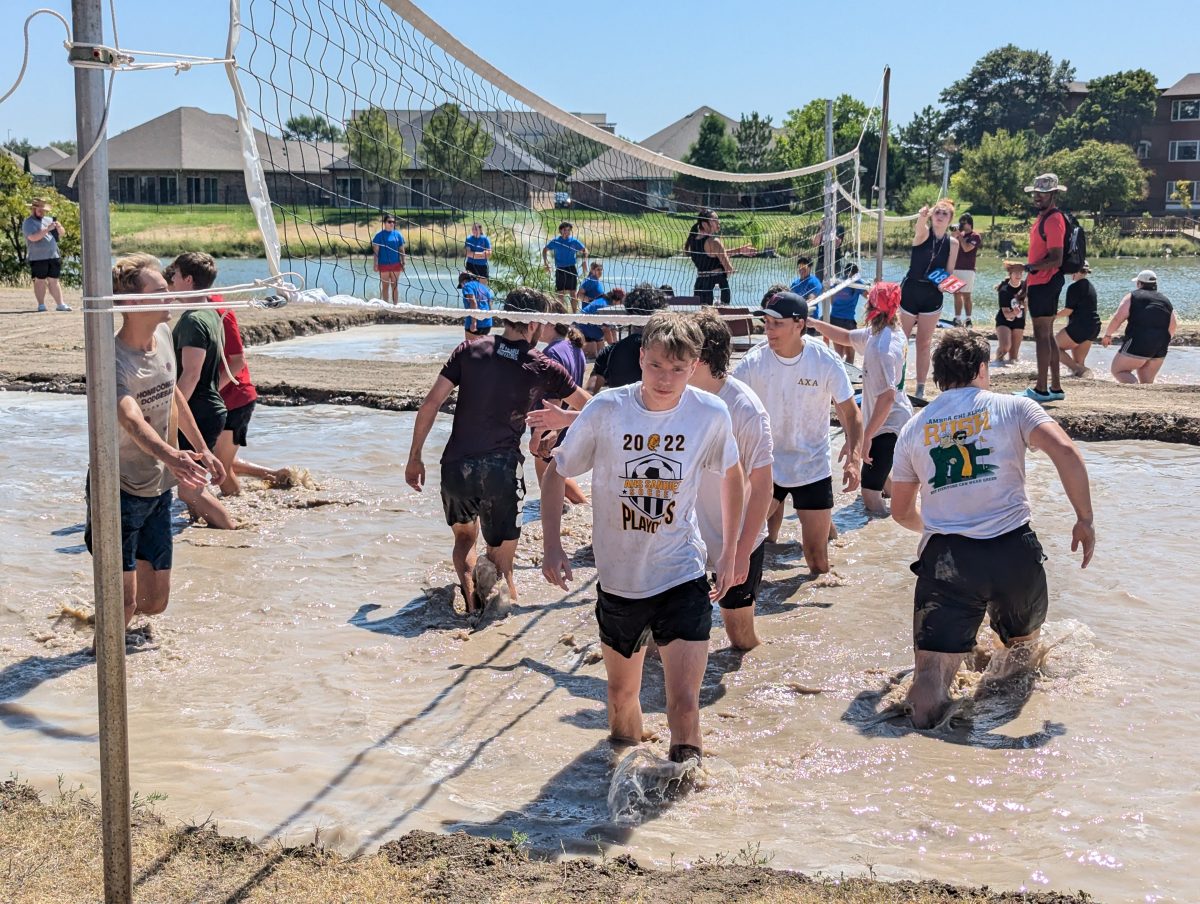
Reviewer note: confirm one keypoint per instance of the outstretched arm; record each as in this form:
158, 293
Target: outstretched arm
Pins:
187, 470
1072, 471
551, 417
1118, 318
837, 334
414, 470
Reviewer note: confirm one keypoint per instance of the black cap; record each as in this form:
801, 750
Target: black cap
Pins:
782, 305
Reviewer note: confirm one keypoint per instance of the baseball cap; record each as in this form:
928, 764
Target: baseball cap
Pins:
1146, 276
782, 305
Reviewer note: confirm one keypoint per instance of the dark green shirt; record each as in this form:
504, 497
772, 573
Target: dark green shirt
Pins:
201, 328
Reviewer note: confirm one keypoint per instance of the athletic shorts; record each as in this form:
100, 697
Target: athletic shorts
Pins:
237, 420
479, 268
812, 497
744, 594
920, 296
565, 279
883, 450
1017, 323
46, 269
706, 285
968, 279
391, 268
1083, 331
960, 580
846, 323
682, 612
145, 530
1151, 344
487, 487
210, 425
1042, 301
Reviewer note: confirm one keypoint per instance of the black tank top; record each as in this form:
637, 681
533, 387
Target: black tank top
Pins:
931, 254
705, 262
1149, 313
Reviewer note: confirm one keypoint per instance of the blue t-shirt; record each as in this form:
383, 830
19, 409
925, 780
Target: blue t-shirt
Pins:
565, 250
483, 296
845, 303
388, 245
591, 331
806, 287
477, 243
591, 288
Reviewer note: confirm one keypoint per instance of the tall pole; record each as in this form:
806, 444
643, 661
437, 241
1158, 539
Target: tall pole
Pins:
946, 175
883, 171
829, 232
103, 464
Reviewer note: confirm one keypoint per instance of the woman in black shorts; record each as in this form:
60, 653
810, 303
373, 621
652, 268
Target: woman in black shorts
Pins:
1083, 327
1010, 318
920, 298
1148, 333
708, 253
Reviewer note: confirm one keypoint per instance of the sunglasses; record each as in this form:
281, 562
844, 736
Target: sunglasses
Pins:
389, 222
941, 213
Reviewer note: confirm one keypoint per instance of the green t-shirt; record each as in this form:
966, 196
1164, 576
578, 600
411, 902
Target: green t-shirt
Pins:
201, 328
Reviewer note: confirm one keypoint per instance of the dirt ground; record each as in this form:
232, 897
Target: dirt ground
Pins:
50, 852
45, 352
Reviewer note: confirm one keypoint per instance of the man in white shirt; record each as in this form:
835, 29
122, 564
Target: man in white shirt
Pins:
796, 381
648, 445
964, 454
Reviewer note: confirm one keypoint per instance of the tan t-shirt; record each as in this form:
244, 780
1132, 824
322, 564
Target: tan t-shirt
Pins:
148, 377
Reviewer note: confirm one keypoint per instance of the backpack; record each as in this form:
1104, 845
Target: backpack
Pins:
1074, 243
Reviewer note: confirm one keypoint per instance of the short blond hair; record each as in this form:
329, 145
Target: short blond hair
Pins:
128, 271
677, 335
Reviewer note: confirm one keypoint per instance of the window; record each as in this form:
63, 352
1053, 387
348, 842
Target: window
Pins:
193, 189
1185, 109
212, 194
1172, 201
1143, 150
168, 190
127, 189
1183, 151
349, 189
146, 194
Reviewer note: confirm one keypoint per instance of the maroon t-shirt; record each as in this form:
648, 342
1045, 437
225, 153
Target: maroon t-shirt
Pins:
966, 259
498, 382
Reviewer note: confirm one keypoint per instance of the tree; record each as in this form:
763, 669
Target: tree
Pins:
922, 142
1099, 176
66, 145
17, 189
1117, 107
1010, 89
1183, 193
566, 151
993, 175
713, 149
921, 194
22, 147
802, 141
455, 146
311, 128
753, 135
375, 147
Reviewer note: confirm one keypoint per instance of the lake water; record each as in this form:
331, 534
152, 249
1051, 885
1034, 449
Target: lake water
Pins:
304, 682
433, 281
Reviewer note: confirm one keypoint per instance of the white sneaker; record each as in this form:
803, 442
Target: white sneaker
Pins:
63, 307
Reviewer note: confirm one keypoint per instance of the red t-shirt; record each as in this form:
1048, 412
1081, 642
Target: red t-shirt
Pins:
240, 391
966, 258
1055, 226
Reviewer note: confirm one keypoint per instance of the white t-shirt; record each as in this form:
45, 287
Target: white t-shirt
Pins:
883, 369
796, 393
967, 451
752, 431
646, 471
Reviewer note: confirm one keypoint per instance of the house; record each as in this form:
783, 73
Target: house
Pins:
39, 173
41, 160
1170, 147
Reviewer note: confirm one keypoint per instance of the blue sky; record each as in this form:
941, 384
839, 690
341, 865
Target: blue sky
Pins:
633, 61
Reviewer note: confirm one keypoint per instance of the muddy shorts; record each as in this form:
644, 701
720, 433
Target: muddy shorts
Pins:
883, 452
211, 424
682, 612
960, 580
237, 421
145, 530
744, 594
487, 487
812, 497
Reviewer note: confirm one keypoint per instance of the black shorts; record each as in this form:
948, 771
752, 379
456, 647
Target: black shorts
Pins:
1151, 344
959, 580
237, 420
745, 593
1083, 331
479, 268
46, 269
812, 497
145, 530
488, 487
682, 612
565, 279
883, 450
1042, 301
1017, 323
707, 283
211, 424
846, 323
920, 296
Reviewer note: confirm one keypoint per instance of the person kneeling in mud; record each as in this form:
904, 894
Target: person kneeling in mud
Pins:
648, 445
964, 455
497, 377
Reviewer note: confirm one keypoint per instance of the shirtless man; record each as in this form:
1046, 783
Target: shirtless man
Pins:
964, 456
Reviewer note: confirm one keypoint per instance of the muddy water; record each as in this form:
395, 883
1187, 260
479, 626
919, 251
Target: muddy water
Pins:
303, 682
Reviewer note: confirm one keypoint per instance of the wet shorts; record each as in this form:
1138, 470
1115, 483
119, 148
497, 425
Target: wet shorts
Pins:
959, 580
811, 497
48, 269
237, 420
920, 296
565, 279
488, 487
883, 450
1080, 331
1017, 323
745, 593
682, 612
479, 268
145, 530
846, 323
1147, 344
1042, 301
211, 425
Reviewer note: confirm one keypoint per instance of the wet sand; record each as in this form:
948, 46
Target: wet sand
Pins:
45, 352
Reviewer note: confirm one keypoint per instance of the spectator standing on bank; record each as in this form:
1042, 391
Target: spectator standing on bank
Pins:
388, 245
479, 251
566, 250
964, 268
42, 234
